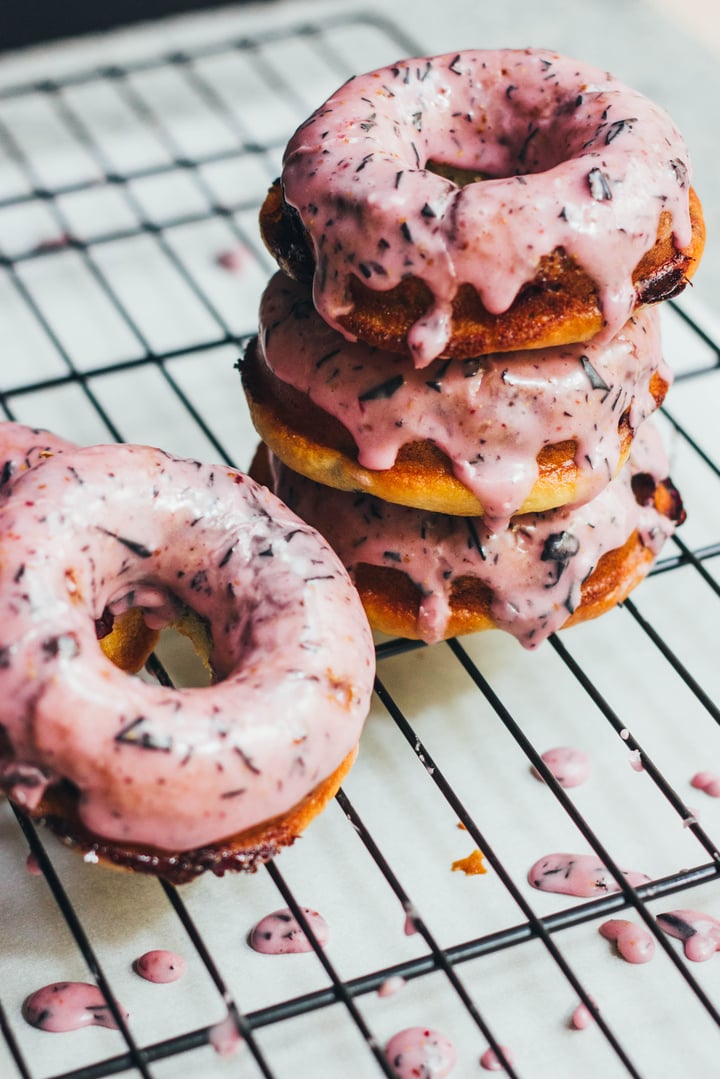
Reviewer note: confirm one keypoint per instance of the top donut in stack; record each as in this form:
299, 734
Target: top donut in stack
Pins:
464, 331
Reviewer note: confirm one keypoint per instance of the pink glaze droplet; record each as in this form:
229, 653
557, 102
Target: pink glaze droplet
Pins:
636, 762
64, 1006
699, 932
634, 942
225, 1037
32, 866
707, 782
579, 875
160, 966
410, 928
582, 1017
280, 934
234, 260
391, 986
569, 766
420, 1053
491, 1062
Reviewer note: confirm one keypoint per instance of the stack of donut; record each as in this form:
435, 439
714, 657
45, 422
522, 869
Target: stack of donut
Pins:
457, 360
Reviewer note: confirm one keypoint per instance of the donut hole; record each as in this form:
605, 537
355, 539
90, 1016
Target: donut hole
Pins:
183, 650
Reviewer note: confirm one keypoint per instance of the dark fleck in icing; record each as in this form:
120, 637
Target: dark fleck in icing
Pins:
420, 1053
699, 932
279, 933
634, 942
573, 159
64, 1006
534, 579
579, 875
160, 966
490, 415
84, 531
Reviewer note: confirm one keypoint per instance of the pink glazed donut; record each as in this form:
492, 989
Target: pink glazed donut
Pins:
171, 781
483, 201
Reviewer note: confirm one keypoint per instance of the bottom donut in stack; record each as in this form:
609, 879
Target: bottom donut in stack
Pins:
429, 576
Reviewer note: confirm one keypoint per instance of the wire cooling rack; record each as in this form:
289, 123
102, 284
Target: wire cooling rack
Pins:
130, 273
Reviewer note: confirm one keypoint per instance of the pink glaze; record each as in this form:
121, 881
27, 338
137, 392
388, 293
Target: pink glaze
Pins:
391, 986
569, 766
573, 159
491, 416
410, 927
582, 1017
634, 942
491, 1062
534, 567
108, 527
225, 1038
32, 866
160, 966
699, 932
65, 1006
280, 934
708, 782
419, 1053
578, 874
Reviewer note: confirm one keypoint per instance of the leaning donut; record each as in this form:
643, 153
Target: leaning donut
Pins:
493, 435
578, 207
173, 781
431, 576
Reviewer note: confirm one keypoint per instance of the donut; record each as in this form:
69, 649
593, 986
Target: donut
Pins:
485, 201
496, 435
432, 576
163, 780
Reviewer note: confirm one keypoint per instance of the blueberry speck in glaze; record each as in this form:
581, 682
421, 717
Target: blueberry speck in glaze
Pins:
599, 184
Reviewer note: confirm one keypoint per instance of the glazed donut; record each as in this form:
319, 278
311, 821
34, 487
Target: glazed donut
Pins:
578, 206
173, 781
432, 576
125, 638
493, 435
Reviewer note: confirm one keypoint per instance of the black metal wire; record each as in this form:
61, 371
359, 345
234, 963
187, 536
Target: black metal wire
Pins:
446, 960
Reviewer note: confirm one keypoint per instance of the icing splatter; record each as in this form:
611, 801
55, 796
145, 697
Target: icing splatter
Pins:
491, 1062
708, 782
160, 966
391, 986
279, 933
579, 875
582, 1017
569, 766
634, 942
420, 1053
64, 1006
699, 932
225, 1038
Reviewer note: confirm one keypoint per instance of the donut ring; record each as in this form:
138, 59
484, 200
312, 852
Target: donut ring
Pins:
432, 576
493, 435
585, 212
164, 774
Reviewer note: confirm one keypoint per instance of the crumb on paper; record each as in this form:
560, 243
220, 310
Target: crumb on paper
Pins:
472, 865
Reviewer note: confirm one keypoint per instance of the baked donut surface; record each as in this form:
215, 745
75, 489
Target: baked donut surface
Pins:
149, 769
497, 434
431, 576
583, 211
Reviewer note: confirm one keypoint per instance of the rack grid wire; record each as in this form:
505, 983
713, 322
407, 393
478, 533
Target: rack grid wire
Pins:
130, 272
